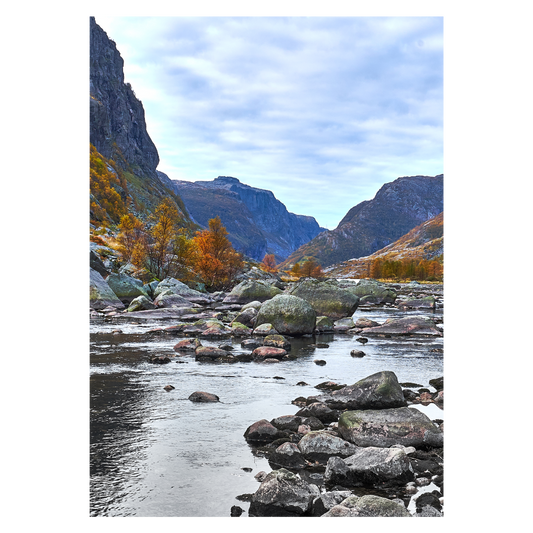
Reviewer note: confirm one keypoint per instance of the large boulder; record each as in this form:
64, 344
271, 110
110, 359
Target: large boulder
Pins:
371, 292
261, 431
126, 287
370, 466
177, 287
167, 298
378, 391
283, 493
288, 314
101, 295
141, 303
368, 505
386, 427
287, 455
321, 445
413, 325
326, 297
250, 291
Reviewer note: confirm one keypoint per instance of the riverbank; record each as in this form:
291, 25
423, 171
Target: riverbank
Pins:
123, 346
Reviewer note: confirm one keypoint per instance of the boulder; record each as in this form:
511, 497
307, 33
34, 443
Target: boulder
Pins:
288, 314
141, 303
343, 325
324, 324
277, 341
240, 330
97, 264
326, 297
187, 345
167, 298
369, 467
321, 445
368, 505
251, 344
371, 292
268, 352
363, 322
209, 352
378, 391
203, 397
101, 295
386, 427
287, 455
261, 431
126, 287
283, 493
265, 329
177, 287
251, 290
246, 317
319, 410
438, 383
323, 503
414, 325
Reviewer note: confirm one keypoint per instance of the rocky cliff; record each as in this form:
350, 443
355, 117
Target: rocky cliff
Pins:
118, 132
257, 222
397, 208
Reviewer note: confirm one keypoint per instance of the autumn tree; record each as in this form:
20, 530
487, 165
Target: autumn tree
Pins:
216, 262
269, 263
295, 270
310, 268
132, 239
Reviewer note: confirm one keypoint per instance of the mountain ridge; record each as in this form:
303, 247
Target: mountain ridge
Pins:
397, 207
257, 221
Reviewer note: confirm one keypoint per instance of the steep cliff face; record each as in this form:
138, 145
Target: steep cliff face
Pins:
118, 134
397, 208
118, 126
258, 223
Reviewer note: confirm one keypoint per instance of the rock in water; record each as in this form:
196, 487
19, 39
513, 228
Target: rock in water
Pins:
283, 493
383, 428
326, 297
288, 314
250, 291
200, 396
378, 391
368, 505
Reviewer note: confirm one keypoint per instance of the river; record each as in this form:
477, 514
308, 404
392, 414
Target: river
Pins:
156, 454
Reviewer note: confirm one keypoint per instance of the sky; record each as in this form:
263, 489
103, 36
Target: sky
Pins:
322, 111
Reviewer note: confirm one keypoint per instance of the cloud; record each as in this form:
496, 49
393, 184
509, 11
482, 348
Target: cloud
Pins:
339, 106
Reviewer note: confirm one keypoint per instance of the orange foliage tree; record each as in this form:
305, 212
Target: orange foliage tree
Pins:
132, 240
269, 263
310, 268
216, 262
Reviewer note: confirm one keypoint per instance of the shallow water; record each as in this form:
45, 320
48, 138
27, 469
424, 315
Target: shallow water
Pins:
155, 453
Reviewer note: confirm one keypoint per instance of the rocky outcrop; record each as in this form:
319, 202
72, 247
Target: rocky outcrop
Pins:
117, 122
257, 222
368, 505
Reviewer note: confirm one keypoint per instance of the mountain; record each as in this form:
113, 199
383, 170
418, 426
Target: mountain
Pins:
124, 158
257, 222
397, 208
425, 242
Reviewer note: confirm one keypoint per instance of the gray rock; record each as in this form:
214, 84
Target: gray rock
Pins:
370, 466
177, 287
321, 445
326, 297
372, 292
126, 287
101, 295
167, 298
141, 303
288, 314
287, 455
324, 324
251, 290
383, 428
368, 505
203, 397
323, 503
378, 391
283, 493
261, 431
416, 325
